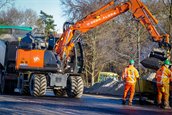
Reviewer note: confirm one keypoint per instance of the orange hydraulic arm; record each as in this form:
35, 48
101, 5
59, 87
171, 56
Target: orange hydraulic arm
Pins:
64, 46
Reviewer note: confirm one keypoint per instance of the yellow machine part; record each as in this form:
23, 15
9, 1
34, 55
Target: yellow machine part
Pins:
145, 86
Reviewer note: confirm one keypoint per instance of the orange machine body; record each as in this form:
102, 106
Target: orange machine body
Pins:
29, 59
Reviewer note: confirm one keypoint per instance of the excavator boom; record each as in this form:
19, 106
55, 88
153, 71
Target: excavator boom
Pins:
140, 12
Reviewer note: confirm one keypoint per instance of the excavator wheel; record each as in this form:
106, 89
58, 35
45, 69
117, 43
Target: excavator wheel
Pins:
38, 85
59, 92
75, 86
26, 90
8, 86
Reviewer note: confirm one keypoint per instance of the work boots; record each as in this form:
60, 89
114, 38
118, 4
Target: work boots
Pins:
130, 103
123, 102
166, 105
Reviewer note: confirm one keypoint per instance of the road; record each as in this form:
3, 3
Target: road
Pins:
87, 105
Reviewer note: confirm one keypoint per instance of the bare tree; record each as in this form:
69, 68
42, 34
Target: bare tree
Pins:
13, 16
4, 3
168, 12
77, 9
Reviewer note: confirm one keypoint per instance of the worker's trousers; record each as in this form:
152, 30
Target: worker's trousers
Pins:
129, 87
163, 92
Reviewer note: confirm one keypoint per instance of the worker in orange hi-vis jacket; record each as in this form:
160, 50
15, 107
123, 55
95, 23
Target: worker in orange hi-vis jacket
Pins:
163, 76
130, 76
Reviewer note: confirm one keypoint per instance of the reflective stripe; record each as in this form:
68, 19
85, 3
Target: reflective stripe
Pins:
161, 77
131, 76
130, 81
125, 73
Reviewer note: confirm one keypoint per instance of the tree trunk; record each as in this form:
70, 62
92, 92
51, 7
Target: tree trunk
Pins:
138, 46
93, 63
170, 20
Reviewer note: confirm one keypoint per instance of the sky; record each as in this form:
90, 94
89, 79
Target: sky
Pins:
51, 7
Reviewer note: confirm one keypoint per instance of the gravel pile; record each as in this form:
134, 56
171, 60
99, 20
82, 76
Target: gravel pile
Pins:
108, 87
114, 87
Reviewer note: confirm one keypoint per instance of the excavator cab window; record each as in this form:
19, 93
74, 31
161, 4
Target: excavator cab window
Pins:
33, 42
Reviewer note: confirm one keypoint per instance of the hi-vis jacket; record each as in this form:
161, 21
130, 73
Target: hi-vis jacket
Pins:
130, 74
163, 76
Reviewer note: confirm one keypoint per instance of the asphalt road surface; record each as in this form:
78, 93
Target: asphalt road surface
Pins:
87, 105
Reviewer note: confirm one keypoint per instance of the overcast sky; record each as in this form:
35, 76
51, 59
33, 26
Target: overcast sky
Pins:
51, 7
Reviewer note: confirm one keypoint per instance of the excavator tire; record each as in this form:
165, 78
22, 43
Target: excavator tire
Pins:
26, 90
59, 92
75, 86
7, 86
38, 85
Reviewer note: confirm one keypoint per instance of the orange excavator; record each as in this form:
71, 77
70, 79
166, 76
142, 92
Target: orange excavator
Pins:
140, 12
60, 69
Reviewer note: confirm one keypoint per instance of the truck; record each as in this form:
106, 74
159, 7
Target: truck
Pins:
8, 48
61, 68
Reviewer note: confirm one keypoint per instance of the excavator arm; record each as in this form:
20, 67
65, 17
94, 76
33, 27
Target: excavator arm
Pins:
140, 12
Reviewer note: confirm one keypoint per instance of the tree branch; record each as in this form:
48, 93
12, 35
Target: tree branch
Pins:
4, 3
